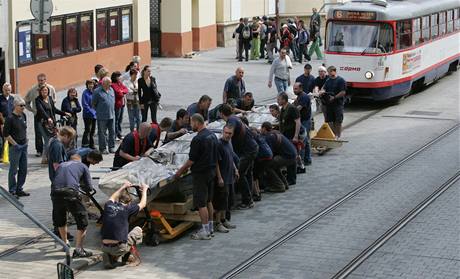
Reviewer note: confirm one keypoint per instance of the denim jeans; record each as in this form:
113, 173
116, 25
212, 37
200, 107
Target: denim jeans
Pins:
46, 139
281, 85
18, 166
134, 117
102, 127
118, 120
305, 153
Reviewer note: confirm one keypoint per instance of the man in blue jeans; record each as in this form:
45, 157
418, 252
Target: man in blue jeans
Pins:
104, 103
303, 104
15, 132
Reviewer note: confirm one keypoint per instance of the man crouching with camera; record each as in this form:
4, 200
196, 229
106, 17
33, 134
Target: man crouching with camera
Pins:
116, 240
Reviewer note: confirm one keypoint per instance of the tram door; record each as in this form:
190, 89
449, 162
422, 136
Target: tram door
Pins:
155, 30
2, 69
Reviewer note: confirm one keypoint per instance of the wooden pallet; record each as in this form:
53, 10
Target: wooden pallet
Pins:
176, 208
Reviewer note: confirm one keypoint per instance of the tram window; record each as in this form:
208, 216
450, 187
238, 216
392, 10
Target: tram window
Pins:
404, 34
416, 33
450, 21
425, 28
442, 23
434, 26
457, 19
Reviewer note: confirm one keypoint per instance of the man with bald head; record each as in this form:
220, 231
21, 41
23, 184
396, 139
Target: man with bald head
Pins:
234, 86
135, 145
104, 103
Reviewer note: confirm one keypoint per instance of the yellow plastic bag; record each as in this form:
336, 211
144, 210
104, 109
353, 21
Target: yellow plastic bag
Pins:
6, 157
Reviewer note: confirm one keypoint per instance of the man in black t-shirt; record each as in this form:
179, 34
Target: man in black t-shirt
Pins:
203, 157
234, 87
245, 104
272, 38
134, 146
116, 241
179, 127
333, 92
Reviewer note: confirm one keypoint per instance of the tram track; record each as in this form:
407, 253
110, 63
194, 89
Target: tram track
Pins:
244, 265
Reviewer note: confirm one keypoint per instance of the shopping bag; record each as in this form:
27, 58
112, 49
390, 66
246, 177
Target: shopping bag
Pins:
6, 158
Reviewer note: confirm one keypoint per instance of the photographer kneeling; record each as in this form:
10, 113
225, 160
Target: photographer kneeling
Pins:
116, 241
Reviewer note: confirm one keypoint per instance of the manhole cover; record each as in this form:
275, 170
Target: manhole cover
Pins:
423, 112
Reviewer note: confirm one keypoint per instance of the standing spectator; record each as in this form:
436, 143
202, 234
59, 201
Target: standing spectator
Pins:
333, 92
202, 107
286, 38
234, 87
263, 36
120, 91
303, 103
32, 94
292, 26
226, 173
280, 69
6, 108
303, 40
149, 96
315, 35
89, 115
15, 132
103, 72
245, 36
272, 39
246, 148
104, 103
95, 78
71, 105
290, 128
307, 79
46, 115
236, 36
132, 100
255, 43
203, 163
127, 74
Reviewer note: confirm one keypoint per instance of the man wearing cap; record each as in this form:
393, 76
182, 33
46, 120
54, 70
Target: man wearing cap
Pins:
307, 79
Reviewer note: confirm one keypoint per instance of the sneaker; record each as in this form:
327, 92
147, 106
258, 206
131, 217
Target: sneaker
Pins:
81, 253
221, 228
105, 152
111, 150
257, 198
200, 235
228, 225
246, 205
211, 234
14, 195
38, 155
301, 170
22, 194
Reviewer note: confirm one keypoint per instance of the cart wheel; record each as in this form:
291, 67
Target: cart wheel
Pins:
152, 239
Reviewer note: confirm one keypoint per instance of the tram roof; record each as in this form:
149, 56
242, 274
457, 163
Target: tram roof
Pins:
396, 9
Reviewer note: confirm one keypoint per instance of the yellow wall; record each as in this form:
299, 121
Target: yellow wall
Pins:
299, 7
223, 10
141, 20
203, 13
176, 16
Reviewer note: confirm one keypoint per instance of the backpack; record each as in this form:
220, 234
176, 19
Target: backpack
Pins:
263, 32
246, 33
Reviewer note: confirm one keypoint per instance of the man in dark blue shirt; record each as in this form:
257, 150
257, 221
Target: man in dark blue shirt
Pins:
303, 103
234, 87
334, 90
66, 198
180, 126
57, 149
246, 148
244, 104
284, 155
135, 145
202, 107
116, 240
307, 80
203, 157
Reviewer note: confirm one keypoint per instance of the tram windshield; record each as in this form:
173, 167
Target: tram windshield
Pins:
364, 38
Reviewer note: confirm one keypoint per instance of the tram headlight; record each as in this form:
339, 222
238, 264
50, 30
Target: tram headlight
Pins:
369, 75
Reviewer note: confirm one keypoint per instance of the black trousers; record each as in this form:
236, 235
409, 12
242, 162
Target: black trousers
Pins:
262, 48
38, 135
243, 44
88, 134
153, 112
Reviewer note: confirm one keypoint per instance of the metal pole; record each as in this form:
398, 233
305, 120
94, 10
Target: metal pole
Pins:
16, 59
277, 14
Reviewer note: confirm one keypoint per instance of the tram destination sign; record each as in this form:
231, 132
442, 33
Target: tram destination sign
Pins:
355, 15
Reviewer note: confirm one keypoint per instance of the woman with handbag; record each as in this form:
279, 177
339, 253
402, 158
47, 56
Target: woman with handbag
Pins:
71, 105
46, 111
149, 97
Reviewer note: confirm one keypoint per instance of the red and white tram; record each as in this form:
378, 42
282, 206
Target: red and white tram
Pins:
385, 49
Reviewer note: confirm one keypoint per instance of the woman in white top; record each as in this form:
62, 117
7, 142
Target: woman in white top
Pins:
132, 100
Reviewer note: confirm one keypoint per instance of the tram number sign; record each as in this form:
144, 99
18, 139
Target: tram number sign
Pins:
355, 15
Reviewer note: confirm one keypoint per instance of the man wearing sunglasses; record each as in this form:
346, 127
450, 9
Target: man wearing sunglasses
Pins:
15, 132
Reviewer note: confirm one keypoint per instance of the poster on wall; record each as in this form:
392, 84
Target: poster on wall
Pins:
411, 61
24, 44
125, 28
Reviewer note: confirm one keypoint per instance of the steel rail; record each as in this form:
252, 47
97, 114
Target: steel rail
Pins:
304, 225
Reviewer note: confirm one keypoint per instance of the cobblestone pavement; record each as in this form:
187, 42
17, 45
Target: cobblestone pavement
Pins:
373, 145
428, 247
328, 245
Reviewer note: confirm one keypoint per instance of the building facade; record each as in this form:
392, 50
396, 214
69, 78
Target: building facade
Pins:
82, 33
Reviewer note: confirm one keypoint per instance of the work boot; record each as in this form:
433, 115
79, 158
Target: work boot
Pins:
81, 253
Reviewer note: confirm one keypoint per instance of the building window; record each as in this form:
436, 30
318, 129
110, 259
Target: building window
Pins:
41, 47
450, 21
404, 34
71, 35
416, 33
86, 32
425, 28
101, 29
126, 24
434, 26
56, 37
114, 29
457, 19
442, 23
